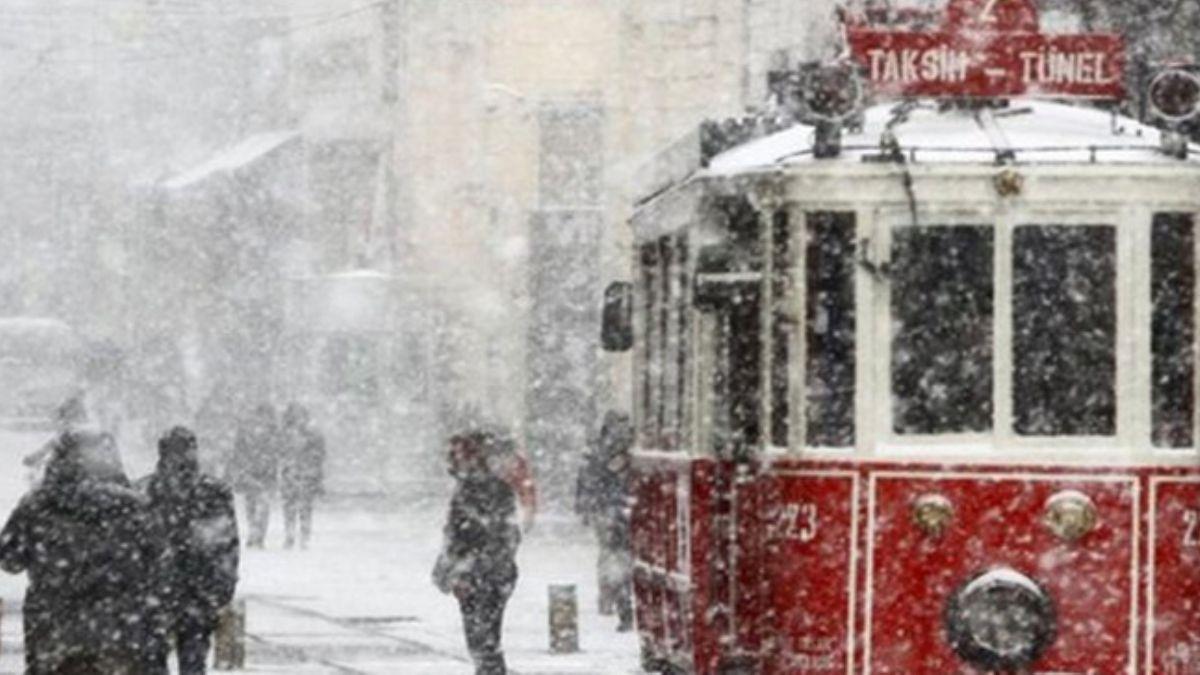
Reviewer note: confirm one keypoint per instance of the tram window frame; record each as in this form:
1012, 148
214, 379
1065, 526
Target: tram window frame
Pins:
831, 362
1173, 331
1044, 385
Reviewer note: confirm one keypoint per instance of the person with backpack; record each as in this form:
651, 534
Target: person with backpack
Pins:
195, 513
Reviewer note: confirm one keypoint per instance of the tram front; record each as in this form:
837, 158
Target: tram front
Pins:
916, 394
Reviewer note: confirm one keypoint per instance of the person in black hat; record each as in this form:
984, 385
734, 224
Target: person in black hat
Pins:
478, 559
195, 512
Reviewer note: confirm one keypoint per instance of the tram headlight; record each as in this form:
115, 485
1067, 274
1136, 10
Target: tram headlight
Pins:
1069, 515
932, 513
1000, 620
1174, 94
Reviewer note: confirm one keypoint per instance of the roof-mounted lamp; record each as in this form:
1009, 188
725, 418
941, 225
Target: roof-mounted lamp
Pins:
1173, 95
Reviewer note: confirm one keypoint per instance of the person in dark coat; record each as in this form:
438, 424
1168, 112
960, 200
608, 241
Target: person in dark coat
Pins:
302, 474
254, 469
478, 559
195, 512
95, 562
603, 498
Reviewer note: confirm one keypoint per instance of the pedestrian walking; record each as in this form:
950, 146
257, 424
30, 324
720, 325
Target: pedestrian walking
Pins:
195, 513
478, 558
95, 562
254, 469
302, 473
603, 499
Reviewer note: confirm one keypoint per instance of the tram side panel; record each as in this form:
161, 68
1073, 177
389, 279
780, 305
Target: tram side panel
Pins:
1173, 602
810, 527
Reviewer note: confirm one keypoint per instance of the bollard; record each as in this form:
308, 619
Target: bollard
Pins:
229, 643
564, 619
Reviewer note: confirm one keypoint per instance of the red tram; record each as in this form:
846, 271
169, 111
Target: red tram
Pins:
916, 394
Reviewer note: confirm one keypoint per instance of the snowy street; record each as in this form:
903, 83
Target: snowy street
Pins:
360, 599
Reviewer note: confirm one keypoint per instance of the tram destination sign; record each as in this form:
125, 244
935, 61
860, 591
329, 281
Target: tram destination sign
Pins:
988, 49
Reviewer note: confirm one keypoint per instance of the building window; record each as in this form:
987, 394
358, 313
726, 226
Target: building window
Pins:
1064, 330
942, 308
829, 329
1173, 330
571, 155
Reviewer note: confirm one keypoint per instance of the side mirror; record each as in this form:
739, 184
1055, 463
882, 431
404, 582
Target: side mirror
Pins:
616, 331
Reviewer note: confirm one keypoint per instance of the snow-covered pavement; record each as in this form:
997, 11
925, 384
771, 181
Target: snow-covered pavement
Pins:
360, 599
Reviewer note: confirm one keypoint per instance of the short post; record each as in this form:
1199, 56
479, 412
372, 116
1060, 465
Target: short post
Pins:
229, 643
564, 619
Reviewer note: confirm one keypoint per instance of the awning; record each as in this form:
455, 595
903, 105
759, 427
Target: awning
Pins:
232, 158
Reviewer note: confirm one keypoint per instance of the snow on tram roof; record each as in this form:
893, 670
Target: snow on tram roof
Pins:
1035, 131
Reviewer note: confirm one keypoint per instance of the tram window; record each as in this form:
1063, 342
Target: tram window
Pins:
942, 311
1173, 331
830, 325
649, 269
682, 303
781, 328
1064, 330
665, 405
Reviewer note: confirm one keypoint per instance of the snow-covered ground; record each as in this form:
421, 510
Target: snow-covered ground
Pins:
360, 600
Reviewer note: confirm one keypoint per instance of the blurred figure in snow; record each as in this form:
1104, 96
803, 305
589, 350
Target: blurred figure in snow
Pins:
96, 565
603, 498
70, 416
509, 463
302, 474
254, 469
195, 513
478, 558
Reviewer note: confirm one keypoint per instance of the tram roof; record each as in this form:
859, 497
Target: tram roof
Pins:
1036, 132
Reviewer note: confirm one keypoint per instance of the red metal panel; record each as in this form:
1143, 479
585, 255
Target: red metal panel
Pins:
998, 521
705, 624
810, 528
1174, 566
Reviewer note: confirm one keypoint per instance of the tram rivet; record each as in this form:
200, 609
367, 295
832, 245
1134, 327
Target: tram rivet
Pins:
932, 514
1069, 515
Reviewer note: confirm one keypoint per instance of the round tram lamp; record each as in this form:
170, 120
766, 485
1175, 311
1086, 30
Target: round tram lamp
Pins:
1174, 94
832, 93
1000, 621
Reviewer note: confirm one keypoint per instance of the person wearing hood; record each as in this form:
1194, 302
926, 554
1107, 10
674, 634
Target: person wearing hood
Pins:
254, 469
603, 498
95, 562
477, 563
195, 513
